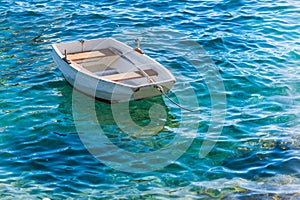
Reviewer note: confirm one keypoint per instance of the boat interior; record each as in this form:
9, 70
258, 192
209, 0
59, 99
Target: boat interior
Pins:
108, 65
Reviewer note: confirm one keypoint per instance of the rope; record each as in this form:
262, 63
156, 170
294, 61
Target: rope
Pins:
116, 51
160, 88
150, 80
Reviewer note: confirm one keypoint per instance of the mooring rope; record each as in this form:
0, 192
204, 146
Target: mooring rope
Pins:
160, 88
151, 80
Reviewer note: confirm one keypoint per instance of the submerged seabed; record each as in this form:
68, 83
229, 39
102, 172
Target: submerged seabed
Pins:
255, 47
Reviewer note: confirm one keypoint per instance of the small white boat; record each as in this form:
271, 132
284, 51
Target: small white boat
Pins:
122, 73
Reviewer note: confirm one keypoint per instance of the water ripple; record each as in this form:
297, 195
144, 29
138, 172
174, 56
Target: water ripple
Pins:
254, 45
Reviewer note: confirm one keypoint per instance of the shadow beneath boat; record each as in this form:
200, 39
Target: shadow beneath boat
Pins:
137, 126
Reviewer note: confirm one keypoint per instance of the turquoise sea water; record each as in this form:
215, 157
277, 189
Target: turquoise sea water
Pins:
253, 44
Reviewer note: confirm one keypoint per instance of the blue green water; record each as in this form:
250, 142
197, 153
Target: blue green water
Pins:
255, 46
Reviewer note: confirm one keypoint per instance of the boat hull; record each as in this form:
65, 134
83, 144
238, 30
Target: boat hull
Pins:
102, 89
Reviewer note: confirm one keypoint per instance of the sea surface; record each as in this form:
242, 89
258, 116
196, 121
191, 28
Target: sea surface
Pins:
252, 60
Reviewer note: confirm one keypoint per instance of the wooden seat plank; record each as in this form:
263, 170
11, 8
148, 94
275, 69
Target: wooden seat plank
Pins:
90, 54
130, 75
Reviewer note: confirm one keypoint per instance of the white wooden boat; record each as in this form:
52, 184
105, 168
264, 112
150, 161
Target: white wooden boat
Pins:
122, 73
